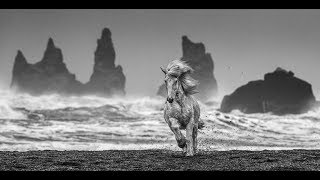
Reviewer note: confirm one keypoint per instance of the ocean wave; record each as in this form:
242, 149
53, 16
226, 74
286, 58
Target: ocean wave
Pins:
11, 101
95, 123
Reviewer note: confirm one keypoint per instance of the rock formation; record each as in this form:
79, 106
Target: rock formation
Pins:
106, 78
280, 93
50, 75
195, 55
46, 76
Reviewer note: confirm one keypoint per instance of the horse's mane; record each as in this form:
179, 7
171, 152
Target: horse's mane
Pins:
182, 70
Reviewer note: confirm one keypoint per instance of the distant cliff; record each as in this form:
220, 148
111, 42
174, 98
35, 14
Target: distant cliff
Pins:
195, 55
50, 75
280, 93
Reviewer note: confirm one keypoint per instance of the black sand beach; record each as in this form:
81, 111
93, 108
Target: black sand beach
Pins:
160, 160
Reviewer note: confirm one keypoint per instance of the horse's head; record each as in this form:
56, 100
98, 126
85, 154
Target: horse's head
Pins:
177, 80
173, 86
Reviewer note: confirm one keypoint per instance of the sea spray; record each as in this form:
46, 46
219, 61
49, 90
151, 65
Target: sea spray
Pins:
97, 123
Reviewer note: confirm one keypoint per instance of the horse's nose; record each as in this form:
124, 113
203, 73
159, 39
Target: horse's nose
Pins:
170, 100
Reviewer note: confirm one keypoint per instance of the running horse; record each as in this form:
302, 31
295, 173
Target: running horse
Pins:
182, 111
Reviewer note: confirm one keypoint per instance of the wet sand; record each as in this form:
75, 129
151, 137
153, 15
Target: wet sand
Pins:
161, 160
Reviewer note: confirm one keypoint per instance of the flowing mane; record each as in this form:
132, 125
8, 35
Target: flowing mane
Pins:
182, 70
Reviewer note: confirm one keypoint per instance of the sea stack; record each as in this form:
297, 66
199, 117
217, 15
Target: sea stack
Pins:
196, 56
50, 75
46, 76
279, 93
106, 78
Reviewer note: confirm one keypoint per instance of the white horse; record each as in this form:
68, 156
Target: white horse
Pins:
181, 110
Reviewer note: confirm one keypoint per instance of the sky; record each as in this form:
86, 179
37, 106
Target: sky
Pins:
244, 44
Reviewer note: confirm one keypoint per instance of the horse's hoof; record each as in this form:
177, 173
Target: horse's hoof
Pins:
184, 151
182, 143
195, 151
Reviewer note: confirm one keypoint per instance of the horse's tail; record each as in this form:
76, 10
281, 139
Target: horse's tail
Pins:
200, 124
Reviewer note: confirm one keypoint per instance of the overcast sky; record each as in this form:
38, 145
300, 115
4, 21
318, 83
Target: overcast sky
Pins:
250, 42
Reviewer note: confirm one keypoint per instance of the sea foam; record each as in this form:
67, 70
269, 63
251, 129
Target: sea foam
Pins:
55, 122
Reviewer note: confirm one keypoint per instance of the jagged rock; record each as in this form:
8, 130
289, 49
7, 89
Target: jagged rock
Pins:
280, 93
195, 55
106, 78
46, 76
50, 75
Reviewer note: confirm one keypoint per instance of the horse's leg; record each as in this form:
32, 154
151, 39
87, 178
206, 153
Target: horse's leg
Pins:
195, 138
189, 137
174, 126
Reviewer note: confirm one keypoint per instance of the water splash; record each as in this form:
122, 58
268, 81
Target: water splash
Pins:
94, 123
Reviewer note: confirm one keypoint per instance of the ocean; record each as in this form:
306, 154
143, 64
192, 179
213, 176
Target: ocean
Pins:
92, 123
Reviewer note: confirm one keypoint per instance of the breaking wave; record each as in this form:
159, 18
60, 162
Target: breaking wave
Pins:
54, 122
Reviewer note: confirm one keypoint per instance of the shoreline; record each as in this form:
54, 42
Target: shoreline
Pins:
160, 160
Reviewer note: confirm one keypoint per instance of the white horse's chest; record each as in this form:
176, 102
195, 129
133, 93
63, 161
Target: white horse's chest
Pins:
182, 114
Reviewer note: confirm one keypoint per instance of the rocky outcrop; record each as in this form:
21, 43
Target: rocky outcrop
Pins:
46, 76
50, 75
106, 78
195, 55
280, 93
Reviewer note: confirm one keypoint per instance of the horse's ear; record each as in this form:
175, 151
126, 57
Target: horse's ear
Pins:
163, 70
